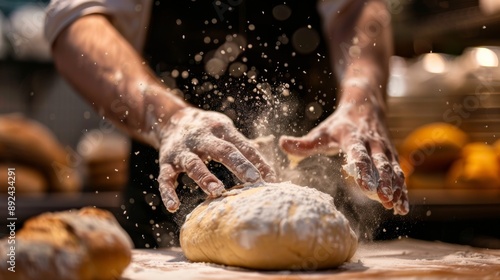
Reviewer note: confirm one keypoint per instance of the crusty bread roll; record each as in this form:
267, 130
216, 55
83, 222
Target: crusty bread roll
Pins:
269, 227
88, 244
433, 147
106, 157
28, 142
478, 167
496, 146
107, 176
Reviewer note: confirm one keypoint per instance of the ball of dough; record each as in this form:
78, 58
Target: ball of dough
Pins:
72, 245
269, 227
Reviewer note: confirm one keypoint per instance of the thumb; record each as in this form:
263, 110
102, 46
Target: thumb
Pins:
307, 145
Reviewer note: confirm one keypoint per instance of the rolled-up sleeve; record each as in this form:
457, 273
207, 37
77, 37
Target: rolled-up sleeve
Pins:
130, 17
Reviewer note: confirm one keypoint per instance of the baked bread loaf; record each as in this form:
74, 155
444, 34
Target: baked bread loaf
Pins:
496, 146
86, 244
269, 227
27, 142
29, 181
478, 167
106, 158
432, 147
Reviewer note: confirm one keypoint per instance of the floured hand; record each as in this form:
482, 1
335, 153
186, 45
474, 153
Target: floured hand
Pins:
193, 137
371, 158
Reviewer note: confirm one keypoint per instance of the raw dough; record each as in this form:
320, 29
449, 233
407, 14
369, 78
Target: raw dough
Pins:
73, 245
269, 227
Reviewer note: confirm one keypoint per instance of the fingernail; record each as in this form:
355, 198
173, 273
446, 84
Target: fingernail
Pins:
252, 175
171, 206
215, 189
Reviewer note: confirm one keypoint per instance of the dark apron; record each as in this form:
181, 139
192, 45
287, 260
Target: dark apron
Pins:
178, 31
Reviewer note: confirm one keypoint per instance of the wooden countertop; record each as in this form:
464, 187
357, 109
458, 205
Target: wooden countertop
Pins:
398, 259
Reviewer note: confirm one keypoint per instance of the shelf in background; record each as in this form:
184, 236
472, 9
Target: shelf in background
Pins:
478, 196
30, 205
451, 205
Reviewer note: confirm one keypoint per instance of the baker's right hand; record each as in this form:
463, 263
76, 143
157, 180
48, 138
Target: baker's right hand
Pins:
192, 137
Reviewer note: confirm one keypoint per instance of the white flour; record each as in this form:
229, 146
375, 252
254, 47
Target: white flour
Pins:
277, 210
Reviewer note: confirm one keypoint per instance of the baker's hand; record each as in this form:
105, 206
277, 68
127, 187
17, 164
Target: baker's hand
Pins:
371, 159
192, 137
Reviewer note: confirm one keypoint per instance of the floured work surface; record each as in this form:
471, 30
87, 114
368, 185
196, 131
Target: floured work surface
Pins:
399, 259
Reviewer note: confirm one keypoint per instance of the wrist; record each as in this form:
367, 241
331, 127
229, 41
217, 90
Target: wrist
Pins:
363, 94
160, 104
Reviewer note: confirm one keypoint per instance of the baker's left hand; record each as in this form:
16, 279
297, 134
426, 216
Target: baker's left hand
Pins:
359, 132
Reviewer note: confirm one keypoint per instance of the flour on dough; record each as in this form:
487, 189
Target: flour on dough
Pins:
271, 227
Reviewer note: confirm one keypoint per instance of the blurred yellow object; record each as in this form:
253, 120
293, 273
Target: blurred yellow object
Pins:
432, 147
496, 146
476, 149
478, 167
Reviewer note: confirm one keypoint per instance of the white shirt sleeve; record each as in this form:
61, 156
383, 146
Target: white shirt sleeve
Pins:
327, 8
130, 17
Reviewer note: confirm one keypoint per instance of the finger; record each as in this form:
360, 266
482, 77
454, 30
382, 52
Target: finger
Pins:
401, 201
227, 154
357, 156
167, 184
388, 205
402, 207
398, 181
385, 182
311, 144
254, 156
196, 169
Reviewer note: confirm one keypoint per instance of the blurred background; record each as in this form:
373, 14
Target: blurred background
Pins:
444, 117
65, 155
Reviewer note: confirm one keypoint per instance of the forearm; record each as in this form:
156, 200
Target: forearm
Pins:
110, 74
360, 42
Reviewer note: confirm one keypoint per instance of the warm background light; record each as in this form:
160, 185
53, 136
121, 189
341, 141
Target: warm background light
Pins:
486, 57
434, 63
